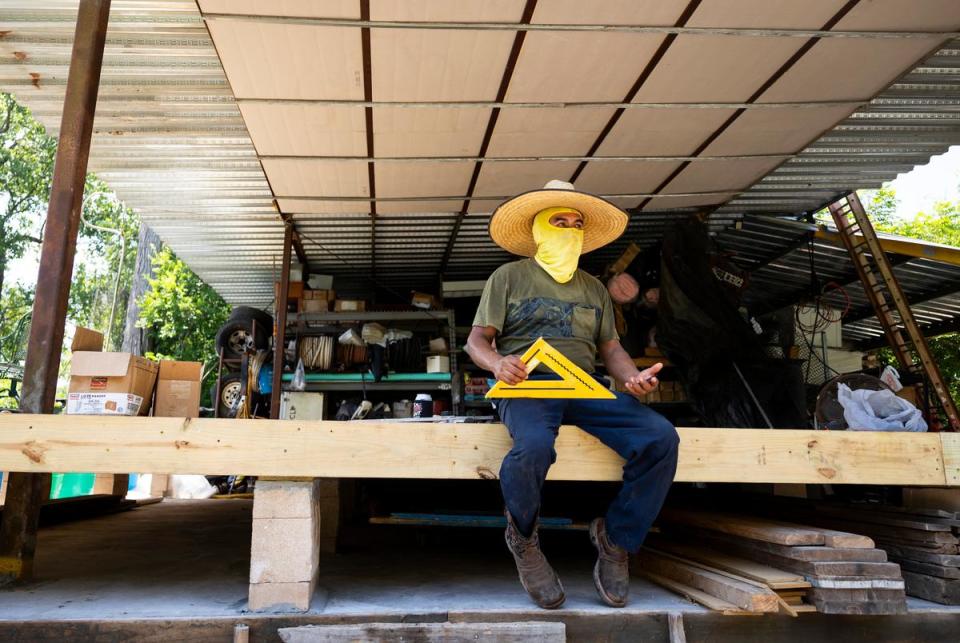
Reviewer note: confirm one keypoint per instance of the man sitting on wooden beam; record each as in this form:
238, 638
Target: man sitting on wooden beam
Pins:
546, 295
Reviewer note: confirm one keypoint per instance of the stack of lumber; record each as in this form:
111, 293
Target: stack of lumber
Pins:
722, 582
923, 541
846, 573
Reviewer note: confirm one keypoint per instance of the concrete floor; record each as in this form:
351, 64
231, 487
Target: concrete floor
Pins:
191, 559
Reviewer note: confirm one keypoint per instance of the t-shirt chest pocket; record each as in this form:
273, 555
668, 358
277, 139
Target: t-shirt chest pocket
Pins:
585, 322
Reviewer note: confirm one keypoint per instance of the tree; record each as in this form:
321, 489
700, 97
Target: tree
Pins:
940, 226
16, 303
182, 313
26, 170
135, 340
881, 204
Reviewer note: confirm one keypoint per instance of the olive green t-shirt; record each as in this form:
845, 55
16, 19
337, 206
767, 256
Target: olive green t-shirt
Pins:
523, 303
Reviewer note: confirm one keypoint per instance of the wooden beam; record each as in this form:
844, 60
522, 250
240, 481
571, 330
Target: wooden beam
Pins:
906, 247
37, 443
25, 493
280, 322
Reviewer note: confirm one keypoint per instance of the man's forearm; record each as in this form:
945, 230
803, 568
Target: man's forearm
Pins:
619, 364
482, 353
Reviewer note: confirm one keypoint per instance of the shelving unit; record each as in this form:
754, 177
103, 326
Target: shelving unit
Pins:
325, 323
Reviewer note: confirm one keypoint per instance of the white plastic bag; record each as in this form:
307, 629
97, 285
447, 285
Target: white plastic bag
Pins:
866, 410
191, 487
299, 381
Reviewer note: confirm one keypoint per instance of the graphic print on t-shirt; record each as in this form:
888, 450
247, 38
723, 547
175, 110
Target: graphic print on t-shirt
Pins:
545, 317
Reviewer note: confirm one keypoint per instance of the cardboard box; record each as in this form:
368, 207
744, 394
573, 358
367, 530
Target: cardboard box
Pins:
322, 295
294, 290
178, 389
105, 404
424, 301
315, 306
103, 382
350, 306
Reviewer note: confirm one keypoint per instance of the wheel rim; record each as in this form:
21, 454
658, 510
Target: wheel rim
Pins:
229, 394
238, 340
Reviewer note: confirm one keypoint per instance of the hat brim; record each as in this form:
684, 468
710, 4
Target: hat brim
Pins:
511, 225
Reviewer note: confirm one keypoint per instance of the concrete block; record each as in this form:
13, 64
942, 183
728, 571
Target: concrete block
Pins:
280, 597
284, 550
284, 499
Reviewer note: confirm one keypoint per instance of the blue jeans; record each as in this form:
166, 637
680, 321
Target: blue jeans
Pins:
644, 438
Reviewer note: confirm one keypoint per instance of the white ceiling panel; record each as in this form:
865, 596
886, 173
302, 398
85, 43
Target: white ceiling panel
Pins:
719, 176
429, 131
503, 178
308, 206
422, 178
397, 208
576, 66
609, 12
317, 177
446, 11
715, 68
274, 60
348, 9
299, 129
662, 132
624, 177
776, 131
895, 15
848, 68
765, 14
437, 64
541, 131
483, 207
668, 202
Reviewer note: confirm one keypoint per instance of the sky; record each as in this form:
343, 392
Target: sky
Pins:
917, 191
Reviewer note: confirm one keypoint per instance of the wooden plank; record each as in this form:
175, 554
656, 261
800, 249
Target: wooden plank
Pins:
692, 593
770, 576
807, 568
103, 444
938, 590
750, 527
917, 554
897, 534
745, 596
799, 553
929, 569
515, 632
844, 539
950, 448
883, 519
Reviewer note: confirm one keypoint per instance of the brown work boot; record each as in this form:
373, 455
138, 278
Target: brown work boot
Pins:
611, 575
536, 575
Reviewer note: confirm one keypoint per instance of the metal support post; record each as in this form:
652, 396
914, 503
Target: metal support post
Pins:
26, 492
280, 330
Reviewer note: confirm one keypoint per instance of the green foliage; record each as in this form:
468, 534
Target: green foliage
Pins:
16, 303
183, 314
26, 169
881, 204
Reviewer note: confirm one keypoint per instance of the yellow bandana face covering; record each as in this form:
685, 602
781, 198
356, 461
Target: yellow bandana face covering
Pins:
558, 249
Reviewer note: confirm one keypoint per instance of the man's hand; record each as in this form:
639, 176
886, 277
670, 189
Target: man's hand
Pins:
645, 381
510, 370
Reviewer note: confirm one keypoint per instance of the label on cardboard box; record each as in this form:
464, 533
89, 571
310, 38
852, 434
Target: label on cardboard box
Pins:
103, 404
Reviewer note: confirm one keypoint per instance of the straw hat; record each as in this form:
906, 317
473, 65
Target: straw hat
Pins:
511, 226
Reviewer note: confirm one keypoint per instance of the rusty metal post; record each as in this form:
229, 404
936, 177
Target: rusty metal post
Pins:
26, 492
280, 322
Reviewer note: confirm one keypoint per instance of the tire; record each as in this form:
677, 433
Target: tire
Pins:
230, 387
250, 313
234, 335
